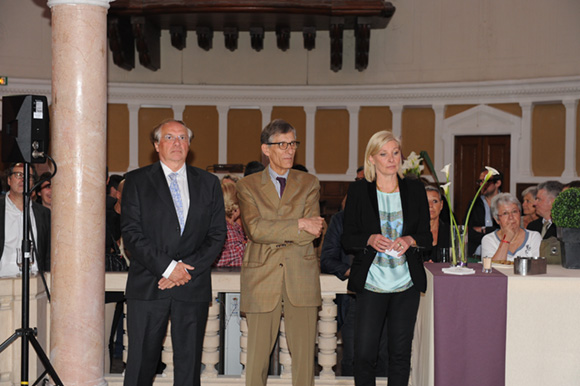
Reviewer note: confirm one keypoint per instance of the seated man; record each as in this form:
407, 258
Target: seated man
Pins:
11, 226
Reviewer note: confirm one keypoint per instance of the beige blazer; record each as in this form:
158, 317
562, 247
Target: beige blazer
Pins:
277, 252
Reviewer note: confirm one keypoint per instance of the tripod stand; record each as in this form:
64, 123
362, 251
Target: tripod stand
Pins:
27, 333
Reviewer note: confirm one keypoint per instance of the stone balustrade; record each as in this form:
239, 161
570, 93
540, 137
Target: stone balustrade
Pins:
223, 280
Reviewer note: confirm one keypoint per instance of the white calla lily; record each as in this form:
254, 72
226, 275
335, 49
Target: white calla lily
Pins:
446, 171
446, 187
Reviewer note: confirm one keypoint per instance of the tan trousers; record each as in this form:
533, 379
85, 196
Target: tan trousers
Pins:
300, 323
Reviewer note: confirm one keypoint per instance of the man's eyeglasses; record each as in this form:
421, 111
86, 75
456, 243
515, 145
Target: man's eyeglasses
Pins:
171, 137
284, 145
18, 175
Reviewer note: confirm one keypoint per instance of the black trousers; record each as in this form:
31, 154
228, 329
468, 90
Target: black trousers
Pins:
146, 328
399, 312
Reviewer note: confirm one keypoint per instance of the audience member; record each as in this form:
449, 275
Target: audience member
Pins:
280, 271
386, 218
173, 225
529, 205
440, 230
300, 167
360, 173
235, 245
229, 179
547, 193
511, 239
253, 167
481, 221
44, 190
572, 184
113, 185
12, 223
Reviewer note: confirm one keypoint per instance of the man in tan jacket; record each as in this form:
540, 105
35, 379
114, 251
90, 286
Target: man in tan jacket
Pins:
280, 270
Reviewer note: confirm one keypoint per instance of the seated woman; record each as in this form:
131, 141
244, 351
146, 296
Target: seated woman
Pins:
235, 245
511, 239
439, 229
529, 206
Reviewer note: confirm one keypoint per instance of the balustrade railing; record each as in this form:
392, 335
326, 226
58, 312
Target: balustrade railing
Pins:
223, 280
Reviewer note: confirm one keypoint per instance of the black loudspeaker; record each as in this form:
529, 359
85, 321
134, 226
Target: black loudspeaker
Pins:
24, 128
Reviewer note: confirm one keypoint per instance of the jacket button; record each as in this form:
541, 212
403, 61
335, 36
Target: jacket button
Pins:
281, 265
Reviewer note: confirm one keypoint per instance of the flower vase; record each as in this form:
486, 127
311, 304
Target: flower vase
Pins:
459, 246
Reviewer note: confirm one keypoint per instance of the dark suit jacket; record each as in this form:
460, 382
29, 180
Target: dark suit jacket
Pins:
333, 258
42, 219
361, 220
537, 224
151, 232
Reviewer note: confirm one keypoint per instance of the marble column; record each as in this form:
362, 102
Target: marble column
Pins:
78, 134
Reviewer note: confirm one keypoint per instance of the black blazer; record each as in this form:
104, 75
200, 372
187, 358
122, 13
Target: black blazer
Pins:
537, 225
42, 219
361, 220
151, 232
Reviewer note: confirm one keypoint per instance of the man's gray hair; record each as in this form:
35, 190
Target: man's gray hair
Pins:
277, 126
553, 188
503, 199
156, 132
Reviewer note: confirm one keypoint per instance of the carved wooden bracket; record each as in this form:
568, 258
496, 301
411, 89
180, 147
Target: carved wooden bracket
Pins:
121, 42
231, 38
309, 34
231, 17
336, 32
178, 36
205, 38
147, 38
362, 34
257, 38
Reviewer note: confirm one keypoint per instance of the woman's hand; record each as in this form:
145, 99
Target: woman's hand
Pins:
403, 243
379, 242
382, 243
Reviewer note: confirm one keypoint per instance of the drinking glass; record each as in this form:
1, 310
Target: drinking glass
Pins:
486, 265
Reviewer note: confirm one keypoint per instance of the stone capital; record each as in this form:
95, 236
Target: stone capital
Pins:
100, 3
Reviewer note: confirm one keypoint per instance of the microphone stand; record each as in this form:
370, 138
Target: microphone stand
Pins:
28, 334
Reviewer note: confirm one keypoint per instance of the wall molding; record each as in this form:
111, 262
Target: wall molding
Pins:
437, 95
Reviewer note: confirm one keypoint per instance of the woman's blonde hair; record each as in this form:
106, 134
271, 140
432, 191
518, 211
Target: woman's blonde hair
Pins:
230, 198
377, 141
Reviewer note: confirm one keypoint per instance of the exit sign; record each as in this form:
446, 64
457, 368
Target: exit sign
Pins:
3, 80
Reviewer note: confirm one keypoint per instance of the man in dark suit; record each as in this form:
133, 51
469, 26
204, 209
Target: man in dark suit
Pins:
547, 193
173, 224
481, 221
11, 225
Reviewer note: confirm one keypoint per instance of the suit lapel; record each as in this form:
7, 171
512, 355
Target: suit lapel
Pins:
292, 185
269, 189
159, 183
192, 183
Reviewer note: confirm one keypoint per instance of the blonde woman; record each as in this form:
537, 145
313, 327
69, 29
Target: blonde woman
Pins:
385, 219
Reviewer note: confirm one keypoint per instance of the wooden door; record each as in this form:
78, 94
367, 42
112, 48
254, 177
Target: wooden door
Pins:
472, 153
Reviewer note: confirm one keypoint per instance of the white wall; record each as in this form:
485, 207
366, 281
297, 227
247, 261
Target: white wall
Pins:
426, 41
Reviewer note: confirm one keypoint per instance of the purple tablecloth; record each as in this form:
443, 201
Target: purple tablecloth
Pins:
469, 327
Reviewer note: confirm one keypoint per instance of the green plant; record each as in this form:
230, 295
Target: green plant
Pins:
566, 209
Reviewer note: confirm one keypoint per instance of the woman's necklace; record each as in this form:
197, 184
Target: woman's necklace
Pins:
392, 191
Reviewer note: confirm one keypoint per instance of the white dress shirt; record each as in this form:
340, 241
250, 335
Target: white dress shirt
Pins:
13, 235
